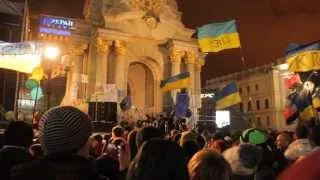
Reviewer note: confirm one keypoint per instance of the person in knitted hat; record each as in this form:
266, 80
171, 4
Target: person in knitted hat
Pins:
64, 130
65, 139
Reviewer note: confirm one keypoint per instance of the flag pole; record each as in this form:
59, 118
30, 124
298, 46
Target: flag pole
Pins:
24, 31
244, 66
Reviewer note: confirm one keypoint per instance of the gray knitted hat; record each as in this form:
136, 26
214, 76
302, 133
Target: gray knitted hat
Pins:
64, 129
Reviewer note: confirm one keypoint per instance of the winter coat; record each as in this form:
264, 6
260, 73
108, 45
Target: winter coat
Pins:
11, 156
297, 148
306, 169
56, 168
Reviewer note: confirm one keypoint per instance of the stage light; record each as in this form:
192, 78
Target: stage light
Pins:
51, 52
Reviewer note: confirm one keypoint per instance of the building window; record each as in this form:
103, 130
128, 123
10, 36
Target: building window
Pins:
257, 87
248, 88
266, 104
240, 90
258, 104
249, 106
268, 121
241, 107
258, 121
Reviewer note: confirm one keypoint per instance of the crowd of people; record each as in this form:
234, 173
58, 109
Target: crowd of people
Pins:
66, 149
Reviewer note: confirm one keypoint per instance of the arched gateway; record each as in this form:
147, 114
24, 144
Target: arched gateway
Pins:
133, 46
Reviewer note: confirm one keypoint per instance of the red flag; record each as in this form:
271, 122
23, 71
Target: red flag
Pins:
292, 80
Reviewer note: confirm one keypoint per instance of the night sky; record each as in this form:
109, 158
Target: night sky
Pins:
266, 27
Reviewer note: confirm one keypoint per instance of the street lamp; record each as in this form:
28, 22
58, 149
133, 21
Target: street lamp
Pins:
51, 52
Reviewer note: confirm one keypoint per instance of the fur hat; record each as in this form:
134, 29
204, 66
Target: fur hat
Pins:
64, 129
243, 159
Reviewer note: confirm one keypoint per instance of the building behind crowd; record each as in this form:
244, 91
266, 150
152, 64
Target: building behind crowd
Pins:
13, 26
145, 44
262, 92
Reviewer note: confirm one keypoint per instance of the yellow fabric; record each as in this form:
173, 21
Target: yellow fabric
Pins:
22, 63
37, 73
305, 61
180, 84
316, 102
219, 43
308, 113
228, 101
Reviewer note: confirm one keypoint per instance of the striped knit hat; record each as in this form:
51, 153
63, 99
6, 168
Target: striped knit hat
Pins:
64, 129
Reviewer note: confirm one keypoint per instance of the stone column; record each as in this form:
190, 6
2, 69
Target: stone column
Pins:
74, 74
175, 58
198, 66
190, 61
102, 47
120, 52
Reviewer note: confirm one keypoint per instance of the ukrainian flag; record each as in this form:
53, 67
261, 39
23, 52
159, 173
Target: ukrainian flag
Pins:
218, 36
179, 81
303, 58
228, 96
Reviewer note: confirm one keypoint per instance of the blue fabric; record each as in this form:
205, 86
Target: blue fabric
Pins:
217, 29
226, 91
294, 49
182, 104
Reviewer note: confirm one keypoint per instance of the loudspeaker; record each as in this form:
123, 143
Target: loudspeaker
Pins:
103, 111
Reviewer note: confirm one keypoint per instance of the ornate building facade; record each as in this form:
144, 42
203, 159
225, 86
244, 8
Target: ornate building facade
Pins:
134, 45
263, 95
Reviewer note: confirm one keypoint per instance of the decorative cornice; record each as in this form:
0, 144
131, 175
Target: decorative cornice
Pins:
78, 49
183, 45
242, 74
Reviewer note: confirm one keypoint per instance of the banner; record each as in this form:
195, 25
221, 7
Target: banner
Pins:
109, 93
22, 57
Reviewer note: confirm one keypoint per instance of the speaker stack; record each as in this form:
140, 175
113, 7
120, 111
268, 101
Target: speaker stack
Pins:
103, 115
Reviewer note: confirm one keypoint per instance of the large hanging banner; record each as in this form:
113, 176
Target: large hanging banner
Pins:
108, 93
22, 57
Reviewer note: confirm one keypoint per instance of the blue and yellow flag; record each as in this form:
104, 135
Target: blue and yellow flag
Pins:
228, 96
303, 58
216, 37
179, 81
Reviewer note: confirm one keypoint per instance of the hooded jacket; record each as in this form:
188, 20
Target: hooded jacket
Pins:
298, 148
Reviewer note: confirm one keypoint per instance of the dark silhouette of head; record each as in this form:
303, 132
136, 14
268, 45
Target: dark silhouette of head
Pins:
158, 159
107, 166
302, 131
315, 135
98, 138
201, 141
19, 134
189, 149
148, 133
132, 141
177, 138
208, 165
117, 131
